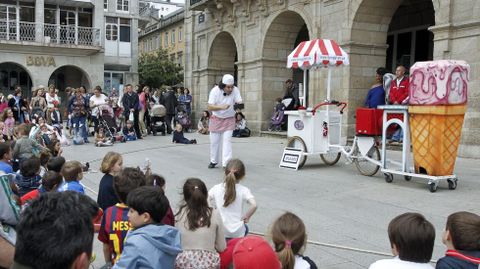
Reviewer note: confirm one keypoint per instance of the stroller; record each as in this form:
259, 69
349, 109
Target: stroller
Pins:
107, 121
278, 118
157, 119
183, 118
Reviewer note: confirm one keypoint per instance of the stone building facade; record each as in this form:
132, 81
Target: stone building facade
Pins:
252, 39
68, 44
168, 34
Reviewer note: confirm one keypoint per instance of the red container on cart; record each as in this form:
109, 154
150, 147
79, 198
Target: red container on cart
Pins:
369, 121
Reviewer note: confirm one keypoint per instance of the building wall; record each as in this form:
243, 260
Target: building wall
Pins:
150, 41
263, 33
121, 62
41, 56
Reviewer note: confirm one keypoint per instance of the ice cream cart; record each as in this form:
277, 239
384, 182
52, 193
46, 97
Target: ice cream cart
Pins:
312, 131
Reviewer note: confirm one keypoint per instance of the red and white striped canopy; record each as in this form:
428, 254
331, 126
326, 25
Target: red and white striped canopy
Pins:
317, 53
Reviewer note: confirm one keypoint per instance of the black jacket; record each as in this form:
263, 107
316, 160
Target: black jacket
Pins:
129, 102
451, 262
13, 107
169, 100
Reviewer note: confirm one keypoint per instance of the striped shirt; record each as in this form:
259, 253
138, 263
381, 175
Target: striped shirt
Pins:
114, 229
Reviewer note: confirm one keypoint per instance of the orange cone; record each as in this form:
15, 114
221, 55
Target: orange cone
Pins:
435, 135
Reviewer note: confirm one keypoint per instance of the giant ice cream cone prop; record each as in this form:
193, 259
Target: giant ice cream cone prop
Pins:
438, 97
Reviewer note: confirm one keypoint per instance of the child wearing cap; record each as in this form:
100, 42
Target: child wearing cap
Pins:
411, 239
462, 238
253, 252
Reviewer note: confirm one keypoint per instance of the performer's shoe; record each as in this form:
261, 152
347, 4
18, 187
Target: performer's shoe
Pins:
212, 165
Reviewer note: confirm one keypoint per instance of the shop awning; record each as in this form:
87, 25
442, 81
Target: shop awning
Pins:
317, 53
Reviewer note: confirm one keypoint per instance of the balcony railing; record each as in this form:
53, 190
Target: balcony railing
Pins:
198, 4
52, 33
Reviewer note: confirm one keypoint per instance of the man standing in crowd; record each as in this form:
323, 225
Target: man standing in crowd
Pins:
291, 93
221, 102
169, 100
131, 104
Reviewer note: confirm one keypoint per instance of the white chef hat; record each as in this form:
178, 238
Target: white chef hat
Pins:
228, 79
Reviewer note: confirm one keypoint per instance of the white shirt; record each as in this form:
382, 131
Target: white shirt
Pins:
396, 263
300, 263
233, 213
216, 98
97, 101
51, 100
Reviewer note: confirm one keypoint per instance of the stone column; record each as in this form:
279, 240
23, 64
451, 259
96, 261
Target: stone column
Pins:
39, 20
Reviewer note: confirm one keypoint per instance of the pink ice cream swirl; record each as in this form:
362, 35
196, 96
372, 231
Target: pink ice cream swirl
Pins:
442, 82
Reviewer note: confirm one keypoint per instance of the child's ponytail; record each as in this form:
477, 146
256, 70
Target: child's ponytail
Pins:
234, 171
289, 237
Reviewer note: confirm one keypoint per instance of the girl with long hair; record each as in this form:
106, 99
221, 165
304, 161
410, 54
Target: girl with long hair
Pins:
201, 229
228, 198
289, 237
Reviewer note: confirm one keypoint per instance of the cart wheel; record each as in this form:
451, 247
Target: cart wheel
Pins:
365, 167
297, 142
452, 183
432, 186
407, 178
330, 158
388, 177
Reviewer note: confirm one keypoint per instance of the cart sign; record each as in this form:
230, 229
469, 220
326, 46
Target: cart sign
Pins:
291, 158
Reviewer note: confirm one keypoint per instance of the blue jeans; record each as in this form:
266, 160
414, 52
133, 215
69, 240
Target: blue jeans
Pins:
79, 125
398, 135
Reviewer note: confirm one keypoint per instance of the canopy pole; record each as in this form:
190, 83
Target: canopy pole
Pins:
304, 100
328, 82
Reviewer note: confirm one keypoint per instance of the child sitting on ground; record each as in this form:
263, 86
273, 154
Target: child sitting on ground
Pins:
111, 165
228, 199
201, 228
25, 147
56, 164
203, 122
179, 138
411, 239
241, 129
290, 238
28, 179
5, 158
72, 172
55, 148
129, 131
149, 244
115, 224
8, 124
159, 181
50, 182
44, 158
101, 140
462, 238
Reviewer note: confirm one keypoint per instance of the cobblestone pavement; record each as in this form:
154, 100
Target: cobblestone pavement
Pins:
339, 206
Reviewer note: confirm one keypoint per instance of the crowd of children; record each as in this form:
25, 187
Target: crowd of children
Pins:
139, 229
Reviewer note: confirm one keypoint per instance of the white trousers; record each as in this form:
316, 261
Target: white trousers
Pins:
226, 139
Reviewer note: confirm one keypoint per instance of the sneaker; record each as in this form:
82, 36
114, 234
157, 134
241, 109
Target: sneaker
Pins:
212, 165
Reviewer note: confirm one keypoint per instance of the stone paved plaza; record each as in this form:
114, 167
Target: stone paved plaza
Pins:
338, 205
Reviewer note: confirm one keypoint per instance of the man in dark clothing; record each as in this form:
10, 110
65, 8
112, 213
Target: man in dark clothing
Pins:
169, 100
131, 104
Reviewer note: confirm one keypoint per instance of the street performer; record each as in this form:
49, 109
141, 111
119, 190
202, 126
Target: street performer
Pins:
221, 103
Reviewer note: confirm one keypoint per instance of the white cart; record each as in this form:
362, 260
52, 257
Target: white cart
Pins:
313, 131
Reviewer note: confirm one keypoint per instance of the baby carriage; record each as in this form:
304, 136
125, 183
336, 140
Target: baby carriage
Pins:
183, 119
107, 121
277, 119
157, 119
